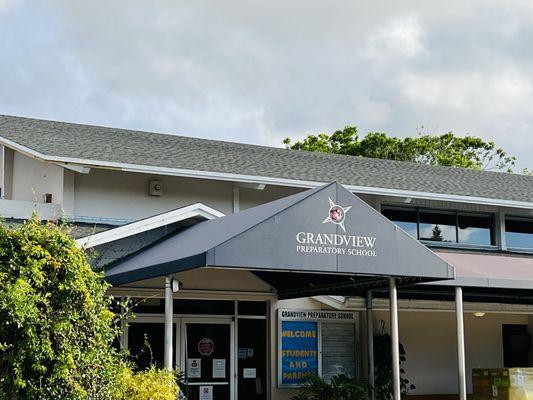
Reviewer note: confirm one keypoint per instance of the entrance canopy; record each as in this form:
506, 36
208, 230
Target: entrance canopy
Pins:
309, 242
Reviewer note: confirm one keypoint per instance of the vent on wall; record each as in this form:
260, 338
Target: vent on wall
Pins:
155, 188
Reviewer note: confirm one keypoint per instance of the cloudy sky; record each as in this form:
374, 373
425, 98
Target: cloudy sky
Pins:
258, 71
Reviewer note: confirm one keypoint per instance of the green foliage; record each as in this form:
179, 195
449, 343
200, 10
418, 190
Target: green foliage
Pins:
56, 327
447, 149
383, 368
340, 388
152, 384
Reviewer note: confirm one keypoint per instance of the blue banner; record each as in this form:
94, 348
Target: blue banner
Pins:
299, 351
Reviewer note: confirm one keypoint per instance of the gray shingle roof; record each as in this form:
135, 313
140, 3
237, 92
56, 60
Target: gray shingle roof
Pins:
76, 229
164, 150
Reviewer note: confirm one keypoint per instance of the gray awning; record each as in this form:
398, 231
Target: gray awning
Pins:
323, 231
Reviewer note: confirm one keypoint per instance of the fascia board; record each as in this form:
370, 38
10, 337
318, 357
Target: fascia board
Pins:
149, 223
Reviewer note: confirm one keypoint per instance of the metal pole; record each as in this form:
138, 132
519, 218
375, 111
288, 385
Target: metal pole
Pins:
461, 367
370, 342
169, 314
395, 340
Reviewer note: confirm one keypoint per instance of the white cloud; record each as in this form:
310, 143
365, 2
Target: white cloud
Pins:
499, 96
401, 37
260, 71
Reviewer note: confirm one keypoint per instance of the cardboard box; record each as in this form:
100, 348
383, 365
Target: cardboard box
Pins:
502, 383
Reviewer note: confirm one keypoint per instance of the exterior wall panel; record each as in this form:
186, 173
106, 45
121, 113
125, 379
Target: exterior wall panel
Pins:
430, 343
32, 179
124, 195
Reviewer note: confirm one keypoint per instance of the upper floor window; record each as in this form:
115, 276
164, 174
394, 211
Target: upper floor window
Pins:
444, 226
405, 219
519, 232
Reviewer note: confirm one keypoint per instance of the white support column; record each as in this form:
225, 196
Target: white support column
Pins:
370, 341
501, 241
236, 198
461, 367
169, 317
395, 339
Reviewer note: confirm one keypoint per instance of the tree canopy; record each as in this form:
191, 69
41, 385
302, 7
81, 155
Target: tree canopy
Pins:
447, 149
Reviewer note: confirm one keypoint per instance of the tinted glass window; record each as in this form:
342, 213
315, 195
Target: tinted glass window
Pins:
150, 306
214, 307
157, 306
405, 219
475, 229
145, 344
437, 227
519, 233
252, 308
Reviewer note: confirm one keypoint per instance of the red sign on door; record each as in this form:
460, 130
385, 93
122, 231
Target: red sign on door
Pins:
206, 346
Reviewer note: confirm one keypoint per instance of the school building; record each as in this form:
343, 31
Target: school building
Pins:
253, 267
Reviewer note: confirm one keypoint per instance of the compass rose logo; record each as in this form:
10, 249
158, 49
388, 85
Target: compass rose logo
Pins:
337, 214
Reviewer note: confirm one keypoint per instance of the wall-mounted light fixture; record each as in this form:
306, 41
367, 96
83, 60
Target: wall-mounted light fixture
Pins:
176, 285
479, 314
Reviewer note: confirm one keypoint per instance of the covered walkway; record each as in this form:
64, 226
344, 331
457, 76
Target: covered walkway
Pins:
317, 242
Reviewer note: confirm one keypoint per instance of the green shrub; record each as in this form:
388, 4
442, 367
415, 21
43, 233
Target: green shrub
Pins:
339, 388
56, 324
383, 384
152, 384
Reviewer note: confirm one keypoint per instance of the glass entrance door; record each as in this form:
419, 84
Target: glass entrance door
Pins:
208, 359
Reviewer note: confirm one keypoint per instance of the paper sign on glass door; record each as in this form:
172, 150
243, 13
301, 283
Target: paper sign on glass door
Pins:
249, 373
194, 368
219, 368
206, 392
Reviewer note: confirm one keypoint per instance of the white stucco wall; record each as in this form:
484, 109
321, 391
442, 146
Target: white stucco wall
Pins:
32, 179
252, 197
430, 343
124, 195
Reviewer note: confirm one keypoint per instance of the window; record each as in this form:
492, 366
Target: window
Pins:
252, 308
444, 226
405, 219
185, 306
145, 344
475, 229
437, 227
519, 232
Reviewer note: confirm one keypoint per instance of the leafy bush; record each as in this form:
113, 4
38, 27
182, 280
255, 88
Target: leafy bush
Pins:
340, 388
152, 384
56, 325
383, 366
